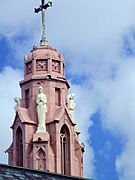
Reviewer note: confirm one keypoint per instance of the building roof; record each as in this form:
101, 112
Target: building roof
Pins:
18, 173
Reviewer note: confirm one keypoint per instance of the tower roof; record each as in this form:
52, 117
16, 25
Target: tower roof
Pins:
46, 51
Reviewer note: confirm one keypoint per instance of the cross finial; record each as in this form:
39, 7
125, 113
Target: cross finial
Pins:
44, 6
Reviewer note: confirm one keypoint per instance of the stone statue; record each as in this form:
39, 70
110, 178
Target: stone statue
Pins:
41, 110
71, 105
18, 103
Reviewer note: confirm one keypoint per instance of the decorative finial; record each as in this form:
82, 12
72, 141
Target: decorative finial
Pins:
44, 6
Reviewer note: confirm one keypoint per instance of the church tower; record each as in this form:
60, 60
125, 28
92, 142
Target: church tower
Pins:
44, 129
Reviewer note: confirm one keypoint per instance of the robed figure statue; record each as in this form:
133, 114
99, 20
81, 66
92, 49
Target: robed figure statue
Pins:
71, 105
41, 110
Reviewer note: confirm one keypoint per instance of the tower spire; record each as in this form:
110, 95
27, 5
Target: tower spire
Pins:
44, 6
45, 136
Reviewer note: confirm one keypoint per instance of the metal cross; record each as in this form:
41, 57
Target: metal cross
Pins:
44, 6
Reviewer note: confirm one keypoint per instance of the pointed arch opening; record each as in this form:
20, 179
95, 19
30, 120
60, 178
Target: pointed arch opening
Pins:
65, 150
41, 160
19, 147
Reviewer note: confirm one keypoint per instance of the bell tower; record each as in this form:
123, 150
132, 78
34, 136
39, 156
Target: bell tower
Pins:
44, 129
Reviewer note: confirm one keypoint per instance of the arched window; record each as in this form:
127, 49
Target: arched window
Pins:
65, 150
19, 147
41, 160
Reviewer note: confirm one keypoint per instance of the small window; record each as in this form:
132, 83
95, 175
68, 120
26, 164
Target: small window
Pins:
27, 98
57, 97
19, 147
65, 150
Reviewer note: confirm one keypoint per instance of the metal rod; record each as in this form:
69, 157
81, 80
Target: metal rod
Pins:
43, 41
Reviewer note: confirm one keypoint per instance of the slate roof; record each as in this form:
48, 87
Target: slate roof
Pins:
17, 173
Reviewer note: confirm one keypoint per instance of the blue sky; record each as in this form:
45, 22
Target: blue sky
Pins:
97, 39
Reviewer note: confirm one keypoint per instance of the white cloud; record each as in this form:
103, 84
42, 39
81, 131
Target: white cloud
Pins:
16, 16
116, 99
119, 116
124, 162
17, 21
9, 89
85, 107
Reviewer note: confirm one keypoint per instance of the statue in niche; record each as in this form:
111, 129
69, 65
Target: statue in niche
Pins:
18, 103
71, 105
41, 110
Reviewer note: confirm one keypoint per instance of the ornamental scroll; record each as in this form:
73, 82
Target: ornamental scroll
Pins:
56, 66
41, 65
28, 67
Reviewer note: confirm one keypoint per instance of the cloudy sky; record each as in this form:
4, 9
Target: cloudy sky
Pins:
97, 39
